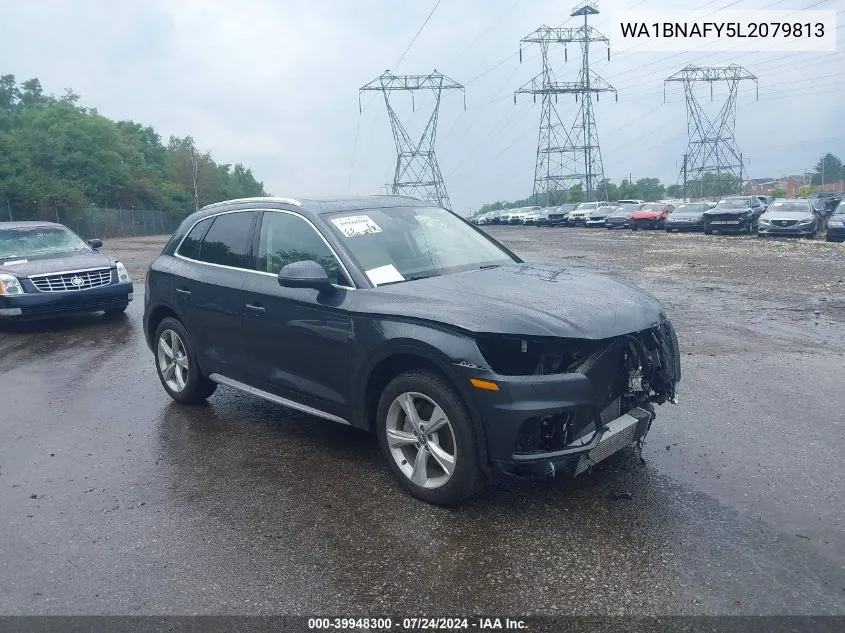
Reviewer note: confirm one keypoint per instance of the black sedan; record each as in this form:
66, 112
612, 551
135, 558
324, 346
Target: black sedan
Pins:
46, 270
836, 225
736, 214
688, 216
400, 318
559, 216
620, 216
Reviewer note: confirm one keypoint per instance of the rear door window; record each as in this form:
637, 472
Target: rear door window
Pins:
228, 241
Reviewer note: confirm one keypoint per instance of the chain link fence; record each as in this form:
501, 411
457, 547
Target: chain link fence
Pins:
94, 222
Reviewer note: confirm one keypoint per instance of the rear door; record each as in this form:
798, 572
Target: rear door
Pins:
299, 339
209, 291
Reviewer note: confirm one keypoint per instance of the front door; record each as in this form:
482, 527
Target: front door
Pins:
299, 339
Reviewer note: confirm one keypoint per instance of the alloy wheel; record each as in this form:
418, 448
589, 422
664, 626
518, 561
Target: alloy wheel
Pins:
172, 360
421, 440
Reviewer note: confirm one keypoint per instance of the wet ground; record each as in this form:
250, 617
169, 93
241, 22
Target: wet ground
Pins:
113, 499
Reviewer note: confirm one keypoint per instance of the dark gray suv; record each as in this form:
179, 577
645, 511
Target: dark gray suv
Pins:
401, 318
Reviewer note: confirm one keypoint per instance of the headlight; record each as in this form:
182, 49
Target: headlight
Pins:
804, 221
835, 223
765, 221
122, 273
9, 285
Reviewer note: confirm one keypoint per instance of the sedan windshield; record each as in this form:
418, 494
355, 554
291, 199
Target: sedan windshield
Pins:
627, 208
734, 203
792, 205
692, 208
405, 243
33, 241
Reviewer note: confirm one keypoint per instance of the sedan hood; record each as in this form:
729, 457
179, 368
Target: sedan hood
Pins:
646, 215
61, 262
523, 299
788, 215
686, 214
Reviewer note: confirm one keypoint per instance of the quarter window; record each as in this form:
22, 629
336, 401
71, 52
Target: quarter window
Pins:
227, 242
287, 238
191, 244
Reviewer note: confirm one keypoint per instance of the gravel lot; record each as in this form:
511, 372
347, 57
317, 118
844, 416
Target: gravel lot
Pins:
115, 500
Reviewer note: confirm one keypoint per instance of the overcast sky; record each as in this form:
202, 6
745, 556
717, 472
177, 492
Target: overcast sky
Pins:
274, 84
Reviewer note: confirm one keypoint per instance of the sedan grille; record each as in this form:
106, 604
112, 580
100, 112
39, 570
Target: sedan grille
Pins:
80, 280
725, 217
784, 222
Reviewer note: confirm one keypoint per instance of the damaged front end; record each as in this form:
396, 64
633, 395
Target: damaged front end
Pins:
570, 403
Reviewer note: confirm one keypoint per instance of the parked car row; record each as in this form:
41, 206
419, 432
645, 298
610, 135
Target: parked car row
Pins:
762, 215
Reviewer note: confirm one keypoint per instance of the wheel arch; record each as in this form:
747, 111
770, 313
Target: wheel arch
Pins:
157, 315
405, 356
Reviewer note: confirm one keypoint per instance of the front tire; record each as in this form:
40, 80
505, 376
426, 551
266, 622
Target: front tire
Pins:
176, 364
426, 433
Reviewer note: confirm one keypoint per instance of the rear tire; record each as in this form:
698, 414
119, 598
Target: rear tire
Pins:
176, 364
445, 468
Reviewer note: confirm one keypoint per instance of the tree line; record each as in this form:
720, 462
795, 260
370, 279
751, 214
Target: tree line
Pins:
55, 153
829, 169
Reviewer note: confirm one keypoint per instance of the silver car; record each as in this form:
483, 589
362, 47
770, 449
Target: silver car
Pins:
790, 217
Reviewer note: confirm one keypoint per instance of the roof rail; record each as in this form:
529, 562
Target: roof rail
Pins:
255, 199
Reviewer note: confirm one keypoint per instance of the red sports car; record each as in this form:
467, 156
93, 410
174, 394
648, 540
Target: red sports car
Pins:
651, 215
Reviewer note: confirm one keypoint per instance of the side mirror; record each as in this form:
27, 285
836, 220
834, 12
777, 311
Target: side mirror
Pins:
95, 244
304, 274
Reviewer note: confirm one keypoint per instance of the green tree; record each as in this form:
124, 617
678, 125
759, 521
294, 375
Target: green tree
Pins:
576, 194
651, 188
606, 190
829, 169
629, 191
675, 191
779, 193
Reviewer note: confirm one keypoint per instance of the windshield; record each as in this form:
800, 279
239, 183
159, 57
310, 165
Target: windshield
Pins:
692, 207
792, 205
586, 205
405, 243
32, 241
734, 203
627, 208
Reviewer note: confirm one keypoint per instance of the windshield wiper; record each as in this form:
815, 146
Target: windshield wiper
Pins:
488, 266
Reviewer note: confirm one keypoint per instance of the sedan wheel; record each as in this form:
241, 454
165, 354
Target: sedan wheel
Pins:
427, 435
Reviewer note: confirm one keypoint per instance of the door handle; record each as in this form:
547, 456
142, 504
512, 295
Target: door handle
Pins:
184, 292
255, 308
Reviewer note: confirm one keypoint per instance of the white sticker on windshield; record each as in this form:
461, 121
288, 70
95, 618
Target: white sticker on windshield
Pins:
15, 261
384, 274
355, 225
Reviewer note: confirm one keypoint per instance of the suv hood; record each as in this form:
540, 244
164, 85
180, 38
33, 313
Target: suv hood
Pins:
523, 299
59, 262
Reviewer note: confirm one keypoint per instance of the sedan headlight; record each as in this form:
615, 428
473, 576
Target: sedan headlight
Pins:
805, 221
765, 221
122, 273
835, 223
9, 285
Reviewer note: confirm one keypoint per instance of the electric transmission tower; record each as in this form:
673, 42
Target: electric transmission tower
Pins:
417, 172
711, 148
567, 155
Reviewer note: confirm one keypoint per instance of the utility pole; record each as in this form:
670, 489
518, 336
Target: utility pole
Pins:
567, 155
711, 147
417, 172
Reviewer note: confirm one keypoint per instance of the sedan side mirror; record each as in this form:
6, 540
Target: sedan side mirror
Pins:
95, 244
304, 274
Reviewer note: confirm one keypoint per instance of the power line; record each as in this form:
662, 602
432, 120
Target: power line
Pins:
417, 34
